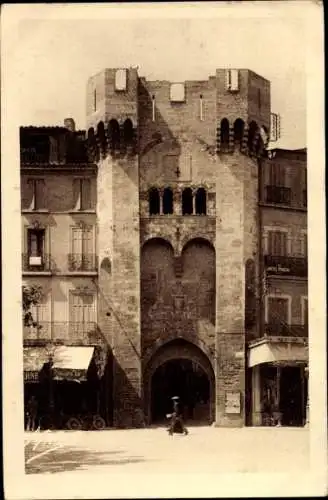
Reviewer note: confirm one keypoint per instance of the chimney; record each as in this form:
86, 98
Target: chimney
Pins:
69, 123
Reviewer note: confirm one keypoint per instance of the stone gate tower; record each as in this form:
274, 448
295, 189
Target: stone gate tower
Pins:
177, 206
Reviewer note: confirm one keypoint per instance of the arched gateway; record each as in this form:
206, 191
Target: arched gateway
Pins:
179, 368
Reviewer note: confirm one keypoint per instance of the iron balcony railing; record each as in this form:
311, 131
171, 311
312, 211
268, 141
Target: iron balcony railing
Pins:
82, 262
278, 194
65, 332
281, 329
31, 157
36, 263
285, 265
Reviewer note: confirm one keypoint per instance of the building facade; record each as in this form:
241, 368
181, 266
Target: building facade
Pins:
171, 249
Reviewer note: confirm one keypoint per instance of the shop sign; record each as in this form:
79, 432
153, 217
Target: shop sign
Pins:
68, 374
232, 402
278, 269
31, 376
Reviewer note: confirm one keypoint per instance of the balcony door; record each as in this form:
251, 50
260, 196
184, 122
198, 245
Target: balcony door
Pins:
82, 315
277, 243
82, 256
278, 315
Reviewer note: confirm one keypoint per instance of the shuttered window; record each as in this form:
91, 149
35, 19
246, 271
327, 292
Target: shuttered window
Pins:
82, 240
37, 191
277, 243
277, 175
278, 310
82, 308
82, 194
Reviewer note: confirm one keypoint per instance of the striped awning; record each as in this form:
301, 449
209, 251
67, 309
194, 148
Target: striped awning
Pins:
71, 363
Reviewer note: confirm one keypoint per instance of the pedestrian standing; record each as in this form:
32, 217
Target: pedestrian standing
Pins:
32, 410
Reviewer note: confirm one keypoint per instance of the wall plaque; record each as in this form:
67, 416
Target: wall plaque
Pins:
232, 402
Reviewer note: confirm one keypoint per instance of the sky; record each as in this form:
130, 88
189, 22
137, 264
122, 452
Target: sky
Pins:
56, 56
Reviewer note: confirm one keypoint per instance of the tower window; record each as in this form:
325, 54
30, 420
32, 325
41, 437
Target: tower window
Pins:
201, 110
238, 129
187, 202
94, 100
201, 201
224, 134
121, 80
177, 92
154, 201
114, 134
128, 131
167, 201
232, 80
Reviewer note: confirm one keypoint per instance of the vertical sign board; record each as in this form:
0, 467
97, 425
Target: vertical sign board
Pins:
232, 402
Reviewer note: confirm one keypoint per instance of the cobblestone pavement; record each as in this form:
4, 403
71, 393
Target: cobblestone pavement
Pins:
205, 449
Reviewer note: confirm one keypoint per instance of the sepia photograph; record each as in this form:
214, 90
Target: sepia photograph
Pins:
165, 323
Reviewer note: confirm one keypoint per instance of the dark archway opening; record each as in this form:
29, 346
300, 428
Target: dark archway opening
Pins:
128, 132
238, 131
187, 202
186, 379
201, 201
154, 201
252, 134
114, 135
167, 201
224, 135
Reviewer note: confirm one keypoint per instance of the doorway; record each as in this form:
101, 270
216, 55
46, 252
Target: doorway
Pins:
186, 379
293, 394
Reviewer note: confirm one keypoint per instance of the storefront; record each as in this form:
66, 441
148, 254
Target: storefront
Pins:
279, 381
71, 385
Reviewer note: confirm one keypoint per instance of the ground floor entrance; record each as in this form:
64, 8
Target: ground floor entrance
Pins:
280, 395
183, 378
179, 368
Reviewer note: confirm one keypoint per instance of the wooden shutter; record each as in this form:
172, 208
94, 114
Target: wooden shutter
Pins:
39, 194
77, 194
85, 194
88, 308
278, 310
77, 240
277, 243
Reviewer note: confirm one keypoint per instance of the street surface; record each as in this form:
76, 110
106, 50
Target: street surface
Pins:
204, 450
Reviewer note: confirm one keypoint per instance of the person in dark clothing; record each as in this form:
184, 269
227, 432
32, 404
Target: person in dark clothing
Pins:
32, 410
177, 424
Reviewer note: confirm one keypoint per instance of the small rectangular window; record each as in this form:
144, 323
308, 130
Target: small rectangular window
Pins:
38, 193
177, 92
82, 194
36, 239
232, 80
95, 100
277, 243
121, 79
278, 310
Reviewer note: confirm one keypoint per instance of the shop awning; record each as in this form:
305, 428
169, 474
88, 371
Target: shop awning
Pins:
266, 351
33, 360
71, 363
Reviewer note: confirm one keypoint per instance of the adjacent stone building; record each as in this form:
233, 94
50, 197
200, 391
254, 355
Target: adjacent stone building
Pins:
170, 247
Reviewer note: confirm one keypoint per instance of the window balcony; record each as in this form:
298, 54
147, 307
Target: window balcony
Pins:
281, 265
82, 262
41, 263
62, 332
278, 195
280, 329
